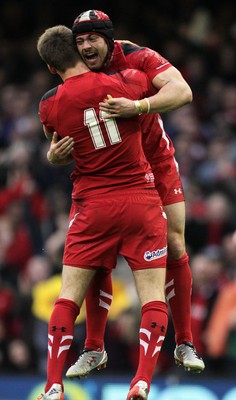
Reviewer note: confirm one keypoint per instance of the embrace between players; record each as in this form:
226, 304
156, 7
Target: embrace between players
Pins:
127, 196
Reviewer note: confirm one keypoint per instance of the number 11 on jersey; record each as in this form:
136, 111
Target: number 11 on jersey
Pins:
92, 122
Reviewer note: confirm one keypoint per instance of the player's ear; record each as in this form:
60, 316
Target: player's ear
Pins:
52, 69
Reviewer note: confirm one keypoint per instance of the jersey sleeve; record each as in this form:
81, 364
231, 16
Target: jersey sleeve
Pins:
138, 84
45, 108
145, 59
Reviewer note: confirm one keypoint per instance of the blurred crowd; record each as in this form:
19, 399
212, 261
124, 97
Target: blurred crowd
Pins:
200, 40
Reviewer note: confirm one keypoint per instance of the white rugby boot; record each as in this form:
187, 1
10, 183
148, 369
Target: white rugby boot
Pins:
87, 361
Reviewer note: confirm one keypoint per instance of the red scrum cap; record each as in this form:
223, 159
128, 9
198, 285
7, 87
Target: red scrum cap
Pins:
94, 21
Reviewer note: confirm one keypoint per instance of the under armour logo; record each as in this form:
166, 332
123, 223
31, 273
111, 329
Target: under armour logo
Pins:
162, 329
154, 325
62, 329
176, 191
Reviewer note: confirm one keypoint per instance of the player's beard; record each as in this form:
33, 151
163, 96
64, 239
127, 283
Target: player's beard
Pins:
95, 63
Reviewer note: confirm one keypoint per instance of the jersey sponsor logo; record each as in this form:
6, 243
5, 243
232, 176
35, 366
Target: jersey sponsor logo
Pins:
153, 255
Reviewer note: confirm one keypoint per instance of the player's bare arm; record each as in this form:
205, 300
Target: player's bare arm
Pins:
173, 92
60, 150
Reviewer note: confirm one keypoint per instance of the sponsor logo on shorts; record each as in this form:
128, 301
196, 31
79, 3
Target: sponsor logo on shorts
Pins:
153, 255
179, 190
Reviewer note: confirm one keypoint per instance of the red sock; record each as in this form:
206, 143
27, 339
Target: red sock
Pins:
152, 334
98, 302
60, 336
178, 294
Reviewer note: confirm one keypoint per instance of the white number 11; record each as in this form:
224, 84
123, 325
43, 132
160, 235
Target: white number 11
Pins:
92, 122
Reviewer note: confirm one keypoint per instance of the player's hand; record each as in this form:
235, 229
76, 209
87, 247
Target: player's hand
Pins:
60, 150
118, 107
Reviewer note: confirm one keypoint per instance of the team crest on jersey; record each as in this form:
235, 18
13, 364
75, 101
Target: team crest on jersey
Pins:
153, 255
149, 178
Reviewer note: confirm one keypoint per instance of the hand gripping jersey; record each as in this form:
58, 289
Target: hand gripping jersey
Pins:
156, 143
108, 153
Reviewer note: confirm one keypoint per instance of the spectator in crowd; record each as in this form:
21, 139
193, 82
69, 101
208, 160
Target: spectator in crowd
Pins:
216, 221
220, 334
208, 279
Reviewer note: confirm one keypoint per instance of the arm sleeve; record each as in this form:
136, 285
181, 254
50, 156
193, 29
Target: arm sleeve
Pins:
148, 61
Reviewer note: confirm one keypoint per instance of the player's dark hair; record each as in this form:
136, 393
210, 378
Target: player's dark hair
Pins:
57, 48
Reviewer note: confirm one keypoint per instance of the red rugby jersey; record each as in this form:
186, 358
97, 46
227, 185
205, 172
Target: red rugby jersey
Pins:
108, 153
156, 143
